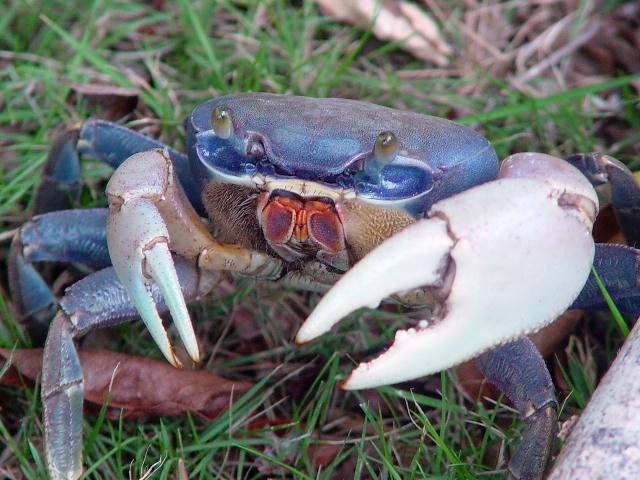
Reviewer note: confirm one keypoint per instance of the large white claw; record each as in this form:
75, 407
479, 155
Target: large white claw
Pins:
520, 252
138, 242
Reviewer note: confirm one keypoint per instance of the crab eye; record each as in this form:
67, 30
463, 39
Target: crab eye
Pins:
221, 122
385, 148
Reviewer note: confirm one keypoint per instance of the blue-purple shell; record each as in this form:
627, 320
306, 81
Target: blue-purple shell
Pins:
329, 140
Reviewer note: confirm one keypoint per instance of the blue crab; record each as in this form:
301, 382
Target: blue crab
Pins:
360, 201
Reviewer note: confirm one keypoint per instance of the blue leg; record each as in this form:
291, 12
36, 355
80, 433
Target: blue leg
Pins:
113, 144
618, 267
96, 301
33, 301
107, 142
519, 371
65, 236
625, 191
60, 184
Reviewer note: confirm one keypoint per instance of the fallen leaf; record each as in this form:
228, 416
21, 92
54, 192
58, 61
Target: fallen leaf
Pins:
115, 102
394, 21
322, 454
138, 385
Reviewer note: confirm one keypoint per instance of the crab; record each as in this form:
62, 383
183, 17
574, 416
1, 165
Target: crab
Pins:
357, 201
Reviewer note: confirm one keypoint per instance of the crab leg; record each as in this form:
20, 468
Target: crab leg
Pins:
96, 301
113, 144
149, 216
509, 256
618, 267
65, 236
519, 371
60, 184
106, 142
625, 190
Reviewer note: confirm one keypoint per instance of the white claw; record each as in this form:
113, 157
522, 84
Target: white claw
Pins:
522, 253
381, 274
138, 238
159, 265
136, 225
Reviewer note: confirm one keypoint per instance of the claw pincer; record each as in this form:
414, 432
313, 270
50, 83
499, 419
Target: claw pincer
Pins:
138, 240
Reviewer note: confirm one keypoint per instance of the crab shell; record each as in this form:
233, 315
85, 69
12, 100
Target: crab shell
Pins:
324, 148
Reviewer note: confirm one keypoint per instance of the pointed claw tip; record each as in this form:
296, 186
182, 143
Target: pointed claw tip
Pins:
304, 334
302, 338
342, 384
301, 343
193, 351
173, 359
196, 359
347, 383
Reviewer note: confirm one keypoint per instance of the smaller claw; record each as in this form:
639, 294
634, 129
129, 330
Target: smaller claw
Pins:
138, 244
135, 270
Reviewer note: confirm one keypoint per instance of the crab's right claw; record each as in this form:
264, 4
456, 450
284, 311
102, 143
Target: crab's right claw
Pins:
138, 241
504, 259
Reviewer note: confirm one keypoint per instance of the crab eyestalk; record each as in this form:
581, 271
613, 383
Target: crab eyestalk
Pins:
222, 123
504, 258
385, 150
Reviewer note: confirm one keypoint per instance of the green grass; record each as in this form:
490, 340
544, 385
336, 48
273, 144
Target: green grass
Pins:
177, 58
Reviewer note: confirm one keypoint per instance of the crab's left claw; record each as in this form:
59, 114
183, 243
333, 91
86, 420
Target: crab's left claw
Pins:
138, 239
504, 259
149, 218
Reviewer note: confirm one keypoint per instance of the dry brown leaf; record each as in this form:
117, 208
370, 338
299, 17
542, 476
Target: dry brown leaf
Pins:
394, 21
139, 385
115, 102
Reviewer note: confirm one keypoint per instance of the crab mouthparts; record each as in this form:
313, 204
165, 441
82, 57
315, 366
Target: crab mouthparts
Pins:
297, 227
